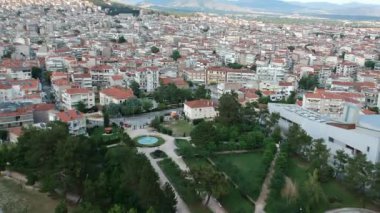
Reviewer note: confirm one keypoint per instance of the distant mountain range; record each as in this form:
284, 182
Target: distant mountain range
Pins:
279, 6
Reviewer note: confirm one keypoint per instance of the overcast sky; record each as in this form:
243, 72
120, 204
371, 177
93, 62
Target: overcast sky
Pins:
341, 1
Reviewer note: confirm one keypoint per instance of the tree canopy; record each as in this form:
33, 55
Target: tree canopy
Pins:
101, 177
175, 55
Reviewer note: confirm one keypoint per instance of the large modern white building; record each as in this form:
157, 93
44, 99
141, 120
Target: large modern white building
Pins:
353, 134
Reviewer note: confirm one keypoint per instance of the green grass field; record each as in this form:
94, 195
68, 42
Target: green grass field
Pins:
180, 128
233, 201
246, 170
15, 198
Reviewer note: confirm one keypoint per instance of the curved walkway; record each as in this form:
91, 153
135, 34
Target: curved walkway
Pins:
350, 210
169, 148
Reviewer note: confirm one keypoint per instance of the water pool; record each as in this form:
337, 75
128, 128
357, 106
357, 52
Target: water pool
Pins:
147, 140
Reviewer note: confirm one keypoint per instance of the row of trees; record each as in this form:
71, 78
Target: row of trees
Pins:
129, 107
103, 179
356, 172
171, 94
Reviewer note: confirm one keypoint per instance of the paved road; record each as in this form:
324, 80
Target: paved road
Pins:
143, 119
168, 147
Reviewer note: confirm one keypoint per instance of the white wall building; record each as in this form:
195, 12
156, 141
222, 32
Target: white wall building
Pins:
148, 78
200, 109
71, 97
360, 137
75, 121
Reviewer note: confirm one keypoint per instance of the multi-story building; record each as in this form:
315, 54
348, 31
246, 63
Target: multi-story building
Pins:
196, 76
200, 109
353, 134
115, 95
101, 75
229, 75
83, 80
347, 69
270, 73
148, 78
330, 103
22, 116
71, 97
75, 120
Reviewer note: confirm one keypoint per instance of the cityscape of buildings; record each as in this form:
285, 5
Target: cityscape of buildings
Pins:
58, 54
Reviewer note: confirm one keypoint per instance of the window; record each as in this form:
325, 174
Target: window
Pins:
331, 139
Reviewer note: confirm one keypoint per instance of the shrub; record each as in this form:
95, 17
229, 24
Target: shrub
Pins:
197, 121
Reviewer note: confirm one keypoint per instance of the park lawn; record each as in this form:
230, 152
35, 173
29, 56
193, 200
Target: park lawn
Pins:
35, 202
182, 186
180, 128
245, 169
233, 201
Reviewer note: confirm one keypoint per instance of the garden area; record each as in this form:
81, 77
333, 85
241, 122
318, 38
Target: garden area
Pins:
247, 170
233, 200
15, 198
183, 186
107, 135
303, 177
338, 195
180, 128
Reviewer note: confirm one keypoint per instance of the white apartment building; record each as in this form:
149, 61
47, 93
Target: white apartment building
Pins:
330, 103
200, 109
357, 134
240, 76
101, 75
347, 69
71, 97
148, 78
83, 80
75, 120
56, 64
270, 73
196, 76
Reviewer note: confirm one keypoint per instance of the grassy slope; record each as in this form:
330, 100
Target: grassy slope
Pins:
34, 201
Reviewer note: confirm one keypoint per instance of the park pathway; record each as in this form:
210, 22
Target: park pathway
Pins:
261, 200
169, 148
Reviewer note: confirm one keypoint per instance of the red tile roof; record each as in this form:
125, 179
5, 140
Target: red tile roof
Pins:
73, 91
117, 77
179, 82
200, 103
69, 115
44, 107
118, 93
